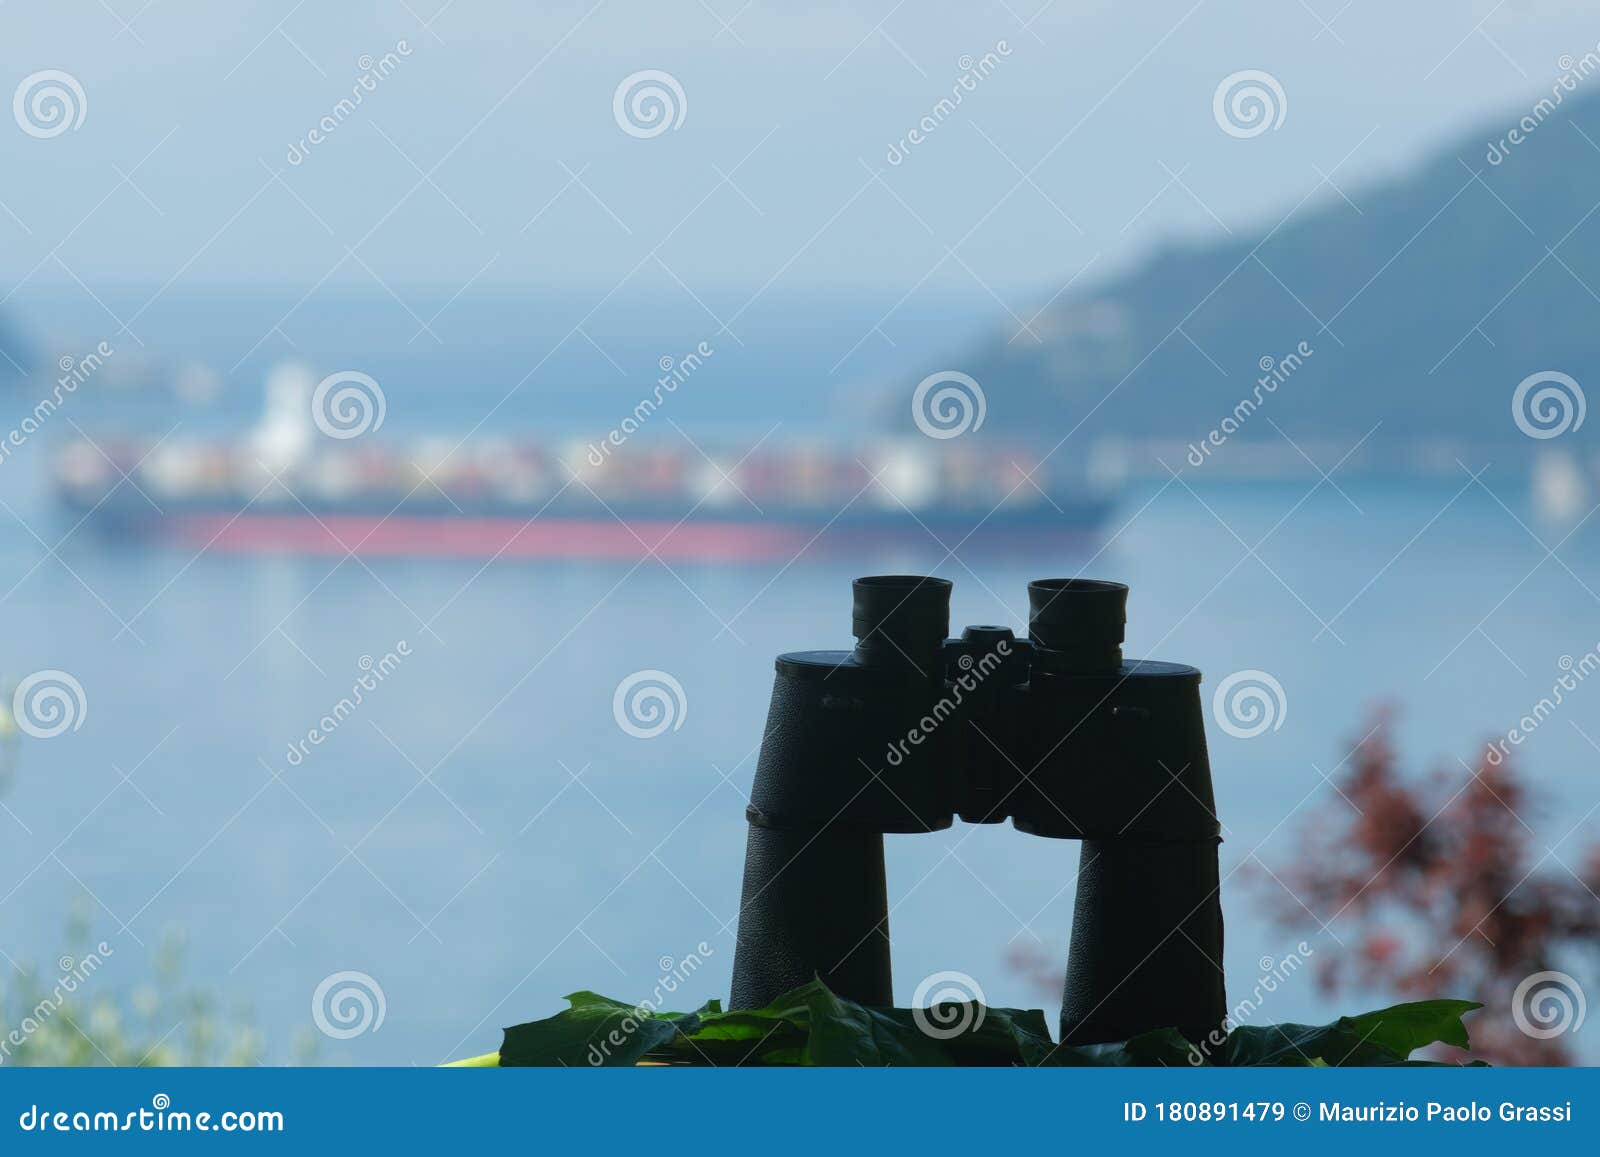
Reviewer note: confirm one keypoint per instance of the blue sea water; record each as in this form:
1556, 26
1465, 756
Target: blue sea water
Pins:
481, 836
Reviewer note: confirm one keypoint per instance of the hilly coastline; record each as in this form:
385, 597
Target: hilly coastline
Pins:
1407, 314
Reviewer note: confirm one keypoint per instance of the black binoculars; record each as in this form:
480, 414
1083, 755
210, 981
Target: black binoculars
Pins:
1057, 733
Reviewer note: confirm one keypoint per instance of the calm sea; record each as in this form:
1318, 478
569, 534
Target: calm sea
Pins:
481, 836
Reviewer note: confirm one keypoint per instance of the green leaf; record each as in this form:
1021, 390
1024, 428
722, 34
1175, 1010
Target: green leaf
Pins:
846, 1033
773, 1035
814, 1026
1008, 1036
1299, 1045
486, 1061
1165, 1047
594, 1031
1385, 1037
588, 1001
843, 1032
1407, 1027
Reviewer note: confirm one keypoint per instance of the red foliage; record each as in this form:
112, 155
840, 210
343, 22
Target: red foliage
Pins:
1438, 888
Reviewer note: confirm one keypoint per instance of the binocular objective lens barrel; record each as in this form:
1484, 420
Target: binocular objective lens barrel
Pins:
1082, 620
898, 618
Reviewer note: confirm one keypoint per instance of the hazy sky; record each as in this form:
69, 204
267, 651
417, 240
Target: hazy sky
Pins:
492, 153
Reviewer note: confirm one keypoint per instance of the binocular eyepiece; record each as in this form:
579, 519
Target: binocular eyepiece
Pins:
1056, 732
1079, 621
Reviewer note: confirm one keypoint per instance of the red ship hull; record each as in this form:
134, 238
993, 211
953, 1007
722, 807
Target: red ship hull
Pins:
568, 538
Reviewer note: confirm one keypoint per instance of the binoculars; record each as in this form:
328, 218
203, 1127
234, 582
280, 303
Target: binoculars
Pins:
1056, 732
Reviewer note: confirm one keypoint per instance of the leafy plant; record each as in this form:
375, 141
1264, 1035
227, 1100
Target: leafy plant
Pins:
815, 1026
73, 1015
1445, 887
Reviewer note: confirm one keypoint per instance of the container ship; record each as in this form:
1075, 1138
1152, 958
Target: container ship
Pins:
289, 487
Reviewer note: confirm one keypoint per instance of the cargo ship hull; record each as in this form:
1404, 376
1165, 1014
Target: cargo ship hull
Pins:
621, 535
